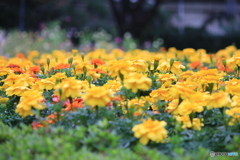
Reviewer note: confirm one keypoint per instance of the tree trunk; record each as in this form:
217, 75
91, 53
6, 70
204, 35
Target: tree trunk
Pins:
132, 17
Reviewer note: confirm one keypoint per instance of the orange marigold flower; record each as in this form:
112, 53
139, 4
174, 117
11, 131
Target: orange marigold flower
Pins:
52, 118
13, 66
195, 65
136, 113
77, 103
62, 66
34, 69
221, 67
36, 125
20, 55
18, 70
116, 98
204, 68
97, 62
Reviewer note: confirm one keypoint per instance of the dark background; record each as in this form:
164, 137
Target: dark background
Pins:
146, 20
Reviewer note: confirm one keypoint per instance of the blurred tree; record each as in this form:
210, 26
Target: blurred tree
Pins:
34, 14
28, 15
133, 15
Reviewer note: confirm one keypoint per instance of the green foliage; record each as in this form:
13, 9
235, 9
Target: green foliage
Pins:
45, 41
95, 142
8, 114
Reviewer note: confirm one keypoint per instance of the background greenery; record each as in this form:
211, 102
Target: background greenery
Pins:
75, 17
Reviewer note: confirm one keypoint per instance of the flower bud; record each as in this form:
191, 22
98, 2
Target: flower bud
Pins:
70, 60
171, 62
48, 62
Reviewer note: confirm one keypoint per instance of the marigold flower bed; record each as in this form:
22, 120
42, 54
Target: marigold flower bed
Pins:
153, 98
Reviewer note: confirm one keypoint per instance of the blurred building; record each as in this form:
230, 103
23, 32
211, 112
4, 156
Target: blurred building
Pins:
217, 17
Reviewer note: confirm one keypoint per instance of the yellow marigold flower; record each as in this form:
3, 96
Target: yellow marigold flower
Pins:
218, 100
160, 94
82, 67
223, 53
85, 86
231, 49
148, 99
30, 100
69, 87
194, 58
12, 79
158, 57
136, 103
136, 81
195, 124
3, 100
97, 96
5, 71
151, 102
233, 62
117, 53
233, 87
167, 79
120, 66
113, 86
189, 51
47, 84
170, 55
59, 76
3, 61
172, 49
172, 105
235, 114
150, 130
186, 122
94, 75
16, 89
210, 79
176, 67
186, 75
186, 107
139, 65
32, 54
199, 98
182, 90
201, 74
74, 51
236, 101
